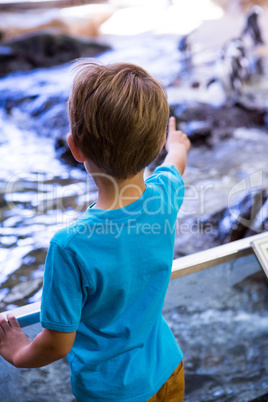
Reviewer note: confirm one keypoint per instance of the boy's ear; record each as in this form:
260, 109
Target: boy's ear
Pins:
77, 154
164, 141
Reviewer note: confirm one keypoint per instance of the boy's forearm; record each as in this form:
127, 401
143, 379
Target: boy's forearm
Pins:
18, 349
33, 356
41, 351
177, 156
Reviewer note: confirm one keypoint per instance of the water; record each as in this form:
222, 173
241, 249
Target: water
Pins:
40, 193
219, 317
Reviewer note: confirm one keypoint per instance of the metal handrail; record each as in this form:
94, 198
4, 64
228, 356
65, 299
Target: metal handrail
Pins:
29, 314
26, 315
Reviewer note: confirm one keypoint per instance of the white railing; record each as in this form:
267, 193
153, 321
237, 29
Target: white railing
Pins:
29, 314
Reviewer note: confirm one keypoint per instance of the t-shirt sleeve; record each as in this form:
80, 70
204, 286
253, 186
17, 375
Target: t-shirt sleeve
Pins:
169, 179
62, 296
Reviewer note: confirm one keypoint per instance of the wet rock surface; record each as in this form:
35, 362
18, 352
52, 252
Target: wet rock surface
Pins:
64, 152
237, 365
45, 49
228, 116
225, 350
245, 218
38, 102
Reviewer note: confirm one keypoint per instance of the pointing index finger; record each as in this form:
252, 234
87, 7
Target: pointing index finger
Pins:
172, 124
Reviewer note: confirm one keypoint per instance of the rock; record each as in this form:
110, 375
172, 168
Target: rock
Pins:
245, 218
5, 50
50, 383
207, 125
53, 122
63, 152
197, 381
241, 4
228, 116
44, 113
31, 51
80, 20
198, 131
195, 84
23, 291
252, 110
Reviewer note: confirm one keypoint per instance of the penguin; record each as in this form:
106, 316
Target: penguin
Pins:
238, 61
183, 45
185, 49
233, 68
252, 27
252, 33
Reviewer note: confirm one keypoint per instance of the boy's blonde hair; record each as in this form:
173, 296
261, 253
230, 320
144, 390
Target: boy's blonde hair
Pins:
118, 116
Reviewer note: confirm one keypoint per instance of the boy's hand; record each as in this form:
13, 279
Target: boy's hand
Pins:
19, 350
12, 338
177, 146
176, 137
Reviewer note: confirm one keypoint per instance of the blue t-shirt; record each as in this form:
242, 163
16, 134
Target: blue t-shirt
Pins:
106, 277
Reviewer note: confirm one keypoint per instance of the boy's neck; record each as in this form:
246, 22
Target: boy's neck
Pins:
114, 193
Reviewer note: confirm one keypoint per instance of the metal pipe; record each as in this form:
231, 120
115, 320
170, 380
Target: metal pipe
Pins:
26, 315
29, 314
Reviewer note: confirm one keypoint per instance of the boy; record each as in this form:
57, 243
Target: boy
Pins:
106, 275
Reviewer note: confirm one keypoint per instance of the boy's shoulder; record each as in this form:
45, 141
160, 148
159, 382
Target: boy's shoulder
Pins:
64, 235
168, 172
167, 169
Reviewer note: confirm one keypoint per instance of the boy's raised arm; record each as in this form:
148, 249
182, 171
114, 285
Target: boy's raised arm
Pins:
22, 352
177, 146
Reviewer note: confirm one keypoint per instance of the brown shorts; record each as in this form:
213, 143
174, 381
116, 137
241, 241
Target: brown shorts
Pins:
173, 389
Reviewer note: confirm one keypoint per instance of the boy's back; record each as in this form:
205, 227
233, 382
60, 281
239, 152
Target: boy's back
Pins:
122, 261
